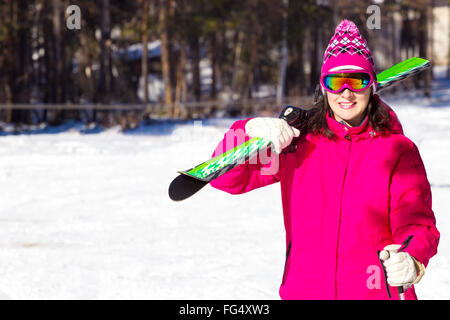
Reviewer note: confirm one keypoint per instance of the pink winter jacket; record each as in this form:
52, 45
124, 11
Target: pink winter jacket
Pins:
343, 201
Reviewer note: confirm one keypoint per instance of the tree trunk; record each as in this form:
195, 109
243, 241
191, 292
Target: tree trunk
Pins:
300, 67
214, 67
284, 57
105, 52
425, 43
57, 61
448, 54
252, 62
165, 57
144, 59
196, 85
11, 90
237, 62
395, 21
18, 60
314, 68
179, 94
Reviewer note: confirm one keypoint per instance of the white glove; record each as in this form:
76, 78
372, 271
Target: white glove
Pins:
276, 130
400, 266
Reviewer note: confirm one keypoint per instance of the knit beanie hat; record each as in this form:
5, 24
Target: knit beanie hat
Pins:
348, 51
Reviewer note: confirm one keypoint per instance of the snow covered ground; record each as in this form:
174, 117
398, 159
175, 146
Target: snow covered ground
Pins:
87, 216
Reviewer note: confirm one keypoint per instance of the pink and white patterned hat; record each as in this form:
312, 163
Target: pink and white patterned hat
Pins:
348, 51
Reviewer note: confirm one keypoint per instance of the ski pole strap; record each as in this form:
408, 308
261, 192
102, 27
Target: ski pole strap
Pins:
385, 275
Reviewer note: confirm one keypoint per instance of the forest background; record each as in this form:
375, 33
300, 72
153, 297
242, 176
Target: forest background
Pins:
131, 61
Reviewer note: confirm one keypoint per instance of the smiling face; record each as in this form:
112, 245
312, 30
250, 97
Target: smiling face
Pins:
349, 106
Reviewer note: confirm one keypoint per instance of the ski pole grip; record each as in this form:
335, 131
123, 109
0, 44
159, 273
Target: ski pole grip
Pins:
296, 117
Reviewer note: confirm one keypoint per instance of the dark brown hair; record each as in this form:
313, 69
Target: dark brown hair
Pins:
378, 116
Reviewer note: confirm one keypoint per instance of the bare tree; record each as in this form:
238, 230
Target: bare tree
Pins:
165, 55
144, 60
284, 56
105, 52
425, 44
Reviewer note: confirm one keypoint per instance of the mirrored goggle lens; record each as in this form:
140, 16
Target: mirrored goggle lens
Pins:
356, 81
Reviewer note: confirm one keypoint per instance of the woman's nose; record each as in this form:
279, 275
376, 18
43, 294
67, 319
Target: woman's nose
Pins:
347, 93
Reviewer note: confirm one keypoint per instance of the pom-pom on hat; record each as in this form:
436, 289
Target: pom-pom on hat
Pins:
348, 51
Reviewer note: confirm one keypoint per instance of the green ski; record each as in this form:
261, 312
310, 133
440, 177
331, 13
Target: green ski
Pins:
192, 180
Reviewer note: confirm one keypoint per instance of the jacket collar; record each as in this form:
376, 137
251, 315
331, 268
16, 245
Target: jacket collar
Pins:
364, 130
343, 131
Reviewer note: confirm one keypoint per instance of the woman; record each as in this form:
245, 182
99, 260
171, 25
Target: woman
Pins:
353, 191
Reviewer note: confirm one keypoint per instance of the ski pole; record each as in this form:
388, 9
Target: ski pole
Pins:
401, 289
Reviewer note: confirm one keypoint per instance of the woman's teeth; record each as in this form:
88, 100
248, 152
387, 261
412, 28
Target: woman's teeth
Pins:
347, 105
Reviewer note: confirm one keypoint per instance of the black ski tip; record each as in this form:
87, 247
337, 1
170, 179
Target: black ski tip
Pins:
183, 186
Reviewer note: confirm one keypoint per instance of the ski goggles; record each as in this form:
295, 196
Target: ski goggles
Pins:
355, 81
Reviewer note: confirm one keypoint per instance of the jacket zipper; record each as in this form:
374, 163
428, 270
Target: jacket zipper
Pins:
340, 213
288, 250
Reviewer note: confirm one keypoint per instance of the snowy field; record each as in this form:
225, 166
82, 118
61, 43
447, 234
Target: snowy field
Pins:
87, 216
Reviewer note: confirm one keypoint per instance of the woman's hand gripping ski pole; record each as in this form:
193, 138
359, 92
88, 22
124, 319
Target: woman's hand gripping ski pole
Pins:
401, 269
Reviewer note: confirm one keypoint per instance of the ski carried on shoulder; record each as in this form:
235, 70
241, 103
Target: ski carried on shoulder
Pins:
190, 181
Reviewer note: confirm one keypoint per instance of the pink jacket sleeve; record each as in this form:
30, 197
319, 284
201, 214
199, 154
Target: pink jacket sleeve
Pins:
411, 213
249, 175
